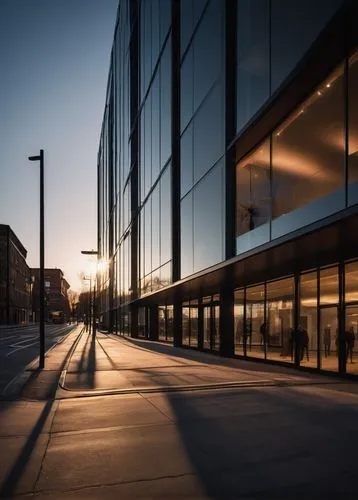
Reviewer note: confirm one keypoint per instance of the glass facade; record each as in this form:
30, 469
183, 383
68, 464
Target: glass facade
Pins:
230, 132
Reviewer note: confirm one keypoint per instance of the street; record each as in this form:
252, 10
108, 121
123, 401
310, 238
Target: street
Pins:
20, 345
135, 419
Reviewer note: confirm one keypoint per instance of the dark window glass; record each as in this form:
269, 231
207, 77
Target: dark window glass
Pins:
253, 52
156, 167
142, 244
253, 198
208, 50
148, 145
308, 159
353, 129
295, 24
186, 90
165, 217
351, 282
165, 18
165, 105
193, 323
148, 237
155, 229
166, 274
208, 133
279, 317
186, 219
155, 31
208, 219
142, 155
239, 321
186, 23
308, 318
256, 339
329, 326
186, 323
186, 160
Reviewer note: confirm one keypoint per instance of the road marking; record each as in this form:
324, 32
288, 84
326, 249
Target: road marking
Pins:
19, 349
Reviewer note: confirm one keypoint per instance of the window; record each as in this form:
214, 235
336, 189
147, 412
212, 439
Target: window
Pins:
308, 159
186, 224
308, 318
353, 129
209, 219
253, 52
186, 161
253, 198
165, 217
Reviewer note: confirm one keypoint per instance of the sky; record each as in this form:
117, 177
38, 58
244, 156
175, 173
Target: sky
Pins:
54, 62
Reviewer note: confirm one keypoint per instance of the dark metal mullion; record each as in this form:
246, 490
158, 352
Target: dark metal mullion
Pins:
244, 339
346, 125
318, 319
265, 321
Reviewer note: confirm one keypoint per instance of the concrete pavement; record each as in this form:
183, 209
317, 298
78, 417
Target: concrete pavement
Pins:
134, 419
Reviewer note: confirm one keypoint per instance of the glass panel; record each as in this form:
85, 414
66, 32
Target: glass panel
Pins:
253, 199
289, 41
215, 341
165, 18
186, 161
255, 321
186, 22
351, 339
155, 31
308, 160
194, 326
208, 51
329, 338
308, 319
187, 262
186, 89
186, 325
329, 286
161, 322
351, 282
148, 145
155, 228
206, 327
170, 320
148, 237
165, 217
166, 104
208, 133
280, 299
156, 167
209, 220
253, 53
239, 321
166, 275
353, 129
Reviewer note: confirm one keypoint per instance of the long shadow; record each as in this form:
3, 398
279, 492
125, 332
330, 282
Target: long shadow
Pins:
13, 478
91, 364
213, 359
274, 448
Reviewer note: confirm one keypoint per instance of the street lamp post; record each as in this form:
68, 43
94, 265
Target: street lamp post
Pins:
40, 158
93, 252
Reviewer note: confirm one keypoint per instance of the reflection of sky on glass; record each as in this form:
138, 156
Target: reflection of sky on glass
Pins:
54, 60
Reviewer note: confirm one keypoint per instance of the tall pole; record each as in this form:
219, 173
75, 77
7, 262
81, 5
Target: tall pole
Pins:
42, 262
40, 158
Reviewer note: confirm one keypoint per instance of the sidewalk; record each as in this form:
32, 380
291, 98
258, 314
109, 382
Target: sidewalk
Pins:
113, 418
109, 362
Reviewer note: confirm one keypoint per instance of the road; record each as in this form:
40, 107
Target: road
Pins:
20, 345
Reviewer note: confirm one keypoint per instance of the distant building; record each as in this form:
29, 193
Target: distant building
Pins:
14, 279
57, 308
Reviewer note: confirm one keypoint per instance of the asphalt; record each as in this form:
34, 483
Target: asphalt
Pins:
19, 346
120, 418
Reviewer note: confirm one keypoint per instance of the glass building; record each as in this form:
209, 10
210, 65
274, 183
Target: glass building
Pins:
228, 179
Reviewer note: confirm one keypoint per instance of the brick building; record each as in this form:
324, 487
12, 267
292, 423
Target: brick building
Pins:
56, 298
14, 279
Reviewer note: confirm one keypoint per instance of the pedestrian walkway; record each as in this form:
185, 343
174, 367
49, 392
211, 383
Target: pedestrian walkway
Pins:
108, 362
113, 418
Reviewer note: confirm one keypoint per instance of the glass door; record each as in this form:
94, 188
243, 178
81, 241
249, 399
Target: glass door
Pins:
329, 340
206, 327
351, 338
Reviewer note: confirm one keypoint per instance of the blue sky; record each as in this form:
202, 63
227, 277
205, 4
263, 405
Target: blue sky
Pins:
54, 58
